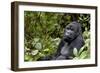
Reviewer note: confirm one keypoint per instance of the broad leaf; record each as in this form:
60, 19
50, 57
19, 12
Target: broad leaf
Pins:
34, 52
83, 55
38, 46
75, 52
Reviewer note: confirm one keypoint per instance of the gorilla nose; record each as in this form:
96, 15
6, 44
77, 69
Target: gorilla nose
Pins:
66, 34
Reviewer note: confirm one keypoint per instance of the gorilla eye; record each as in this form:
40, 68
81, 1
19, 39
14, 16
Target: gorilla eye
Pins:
68, 28
72, 29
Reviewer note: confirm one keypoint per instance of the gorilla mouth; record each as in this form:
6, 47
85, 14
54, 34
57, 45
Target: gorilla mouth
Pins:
67, 38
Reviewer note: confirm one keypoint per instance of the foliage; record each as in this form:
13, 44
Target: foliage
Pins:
44, 30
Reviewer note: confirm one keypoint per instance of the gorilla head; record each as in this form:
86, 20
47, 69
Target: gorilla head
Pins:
72, 31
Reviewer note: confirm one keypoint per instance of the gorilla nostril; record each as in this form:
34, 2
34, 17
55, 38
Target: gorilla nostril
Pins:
66, 34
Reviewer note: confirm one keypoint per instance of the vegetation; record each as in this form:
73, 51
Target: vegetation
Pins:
44, 30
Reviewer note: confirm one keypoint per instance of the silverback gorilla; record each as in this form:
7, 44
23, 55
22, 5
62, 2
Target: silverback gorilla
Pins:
72, 38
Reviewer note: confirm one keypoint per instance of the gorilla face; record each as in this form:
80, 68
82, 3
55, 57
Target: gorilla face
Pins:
71, 31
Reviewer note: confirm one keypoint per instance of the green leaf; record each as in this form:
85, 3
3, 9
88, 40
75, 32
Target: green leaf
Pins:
33, 43
28, 58
83, 55
80, 51
87, 41
26, 49
45, 50
75, 52
38, 46
56, 41
34, 52
36, 39
76, 58
41, 55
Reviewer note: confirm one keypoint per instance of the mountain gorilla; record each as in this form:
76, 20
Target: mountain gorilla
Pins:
72, 38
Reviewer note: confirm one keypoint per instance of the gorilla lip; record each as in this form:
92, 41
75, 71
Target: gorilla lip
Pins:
67, 38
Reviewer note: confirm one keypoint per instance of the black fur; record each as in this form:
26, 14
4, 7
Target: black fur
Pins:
72, 39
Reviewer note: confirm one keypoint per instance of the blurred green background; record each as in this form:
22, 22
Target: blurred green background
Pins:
44, 30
